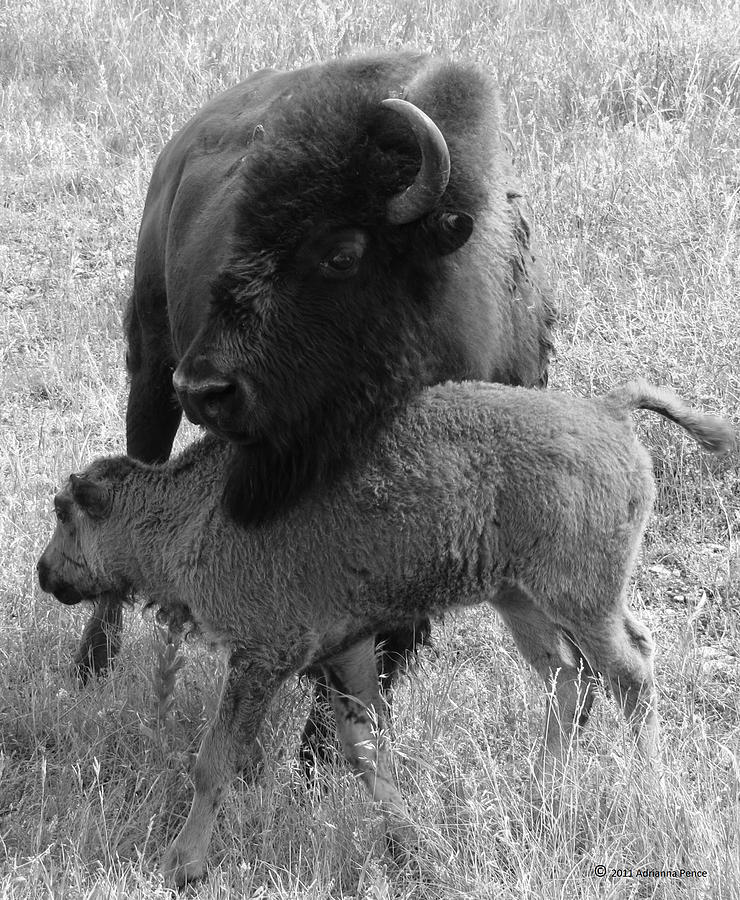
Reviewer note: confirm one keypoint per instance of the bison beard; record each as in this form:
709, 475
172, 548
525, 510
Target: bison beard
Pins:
263, 480
309, 448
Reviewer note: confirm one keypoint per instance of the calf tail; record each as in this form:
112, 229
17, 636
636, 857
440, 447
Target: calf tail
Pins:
713, 433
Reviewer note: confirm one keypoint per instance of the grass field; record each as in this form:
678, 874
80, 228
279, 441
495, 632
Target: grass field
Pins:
625, 117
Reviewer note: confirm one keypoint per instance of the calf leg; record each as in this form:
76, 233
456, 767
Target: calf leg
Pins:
353, 680
100, 640
623, 651
566, 672
228, 748
617, 646
317, 740
152, 418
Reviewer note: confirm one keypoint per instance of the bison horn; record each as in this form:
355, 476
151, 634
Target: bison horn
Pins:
434, 173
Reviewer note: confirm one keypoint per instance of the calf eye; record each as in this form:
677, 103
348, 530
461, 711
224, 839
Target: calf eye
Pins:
62, 508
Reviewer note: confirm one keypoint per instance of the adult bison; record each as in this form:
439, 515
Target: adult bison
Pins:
316, 246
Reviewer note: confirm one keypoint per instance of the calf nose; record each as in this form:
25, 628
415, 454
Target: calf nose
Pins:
42, 569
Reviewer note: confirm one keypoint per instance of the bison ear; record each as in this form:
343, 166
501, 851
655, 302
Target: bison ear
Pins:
90, 495
448, 232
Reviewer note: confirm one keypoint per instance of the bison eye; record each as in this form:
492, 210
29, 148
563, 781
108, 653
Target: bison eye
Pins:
62, 514
343, 260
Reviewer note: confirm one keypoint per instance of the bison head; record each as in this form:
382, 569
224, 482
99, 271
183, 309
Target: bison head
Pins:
323, 323
83, 559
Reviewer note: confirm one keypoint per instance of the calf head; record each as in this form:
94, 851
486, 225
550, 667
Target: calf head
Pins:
84, 558
327, 318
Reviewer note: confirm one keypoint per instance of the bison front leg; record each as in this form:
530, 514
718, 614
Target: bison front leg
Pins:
394, 651
353, 682
229, 747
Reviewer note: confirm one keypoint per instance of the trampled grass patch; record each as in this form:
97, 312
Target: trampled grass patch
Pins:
625, 120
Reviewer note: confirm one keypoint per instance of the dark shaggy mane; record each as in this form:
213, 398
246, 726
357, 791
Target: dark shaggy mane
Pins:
302, 169
304, 163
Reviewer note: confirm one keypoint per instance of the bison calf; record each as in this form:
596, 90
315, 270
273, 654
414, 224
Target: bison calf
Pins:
533, 502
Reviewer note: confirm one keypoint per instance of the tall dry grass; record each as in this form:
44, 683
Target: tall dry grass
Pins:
625, 117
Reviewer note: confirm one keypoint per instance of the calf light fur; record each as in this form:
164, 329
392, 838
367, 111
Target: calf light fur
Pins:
533, 502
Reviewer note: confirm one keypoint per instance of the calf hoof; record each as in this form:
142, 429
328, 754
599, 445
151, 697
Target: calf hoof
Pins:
180, 866
318, 747
311, 761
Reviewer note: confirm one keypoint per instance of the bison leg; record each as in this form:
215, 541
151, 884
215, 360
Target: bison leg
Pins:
353, 680
393, 652
229, 747
153, 413
152, 416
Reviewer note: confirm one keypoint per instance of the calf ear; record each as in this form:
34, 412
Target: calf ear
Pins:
90, 495
447, 232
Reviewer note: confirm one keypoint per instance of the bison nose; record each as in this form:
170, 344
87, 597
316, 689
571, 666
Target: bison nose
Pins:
194, 376
207, 397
